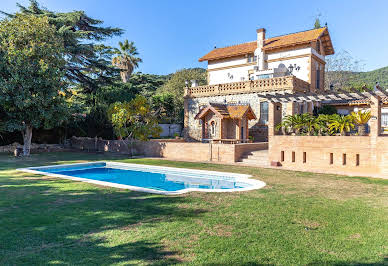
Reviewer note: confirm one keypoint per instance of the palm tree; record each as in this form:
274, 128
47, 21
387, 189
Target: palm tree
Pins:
289, 124
126, 59
341, 124
323, 122
361, 118
310, 122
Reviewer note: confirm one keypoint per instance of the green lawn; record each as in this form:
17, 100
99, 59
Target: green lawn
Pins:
298, 218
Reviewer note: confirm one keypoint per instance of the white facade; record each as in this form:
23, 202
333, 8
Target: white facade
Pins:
239, 69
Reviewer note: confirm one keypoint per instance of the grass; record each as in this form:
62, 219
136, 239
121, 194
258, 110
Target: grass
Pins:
298, 218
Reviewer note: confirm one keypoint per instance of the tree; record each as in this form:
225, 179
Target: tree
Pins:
175, 85
339, 69
126, 59
134, 120
361, 118
32, 88
165, 107
341, 124
327, 110
87, 64
317, 23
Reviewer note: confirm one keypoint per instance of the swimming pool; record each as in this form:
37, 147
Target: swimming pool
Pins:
147, 178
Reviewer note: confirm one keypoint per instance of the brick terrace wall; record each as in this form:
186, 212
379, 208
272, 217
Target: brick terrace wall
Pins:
240, 149
195, 151
365, 156
172, 149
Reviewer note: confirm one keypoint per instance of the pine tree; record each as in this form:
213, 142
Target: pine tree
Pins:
317, 24
87, 64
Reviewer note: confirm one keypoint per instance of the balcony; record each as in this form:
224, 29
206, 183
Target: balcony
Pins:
287, 83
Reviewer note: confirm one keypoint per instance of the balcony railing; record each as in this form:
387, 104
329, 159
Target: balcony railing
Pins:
286, 83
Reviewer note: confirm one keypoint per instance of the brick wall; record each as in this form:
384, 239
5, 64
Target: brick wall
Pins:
172, 149
199, 152
351, 155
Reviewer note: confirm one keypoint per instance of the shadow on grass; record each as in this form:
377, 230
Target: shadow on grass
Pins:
58, 221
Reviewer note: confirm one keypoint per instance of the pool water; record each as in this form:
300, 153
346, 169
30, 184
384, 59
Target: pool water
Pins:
167, 182
154, 179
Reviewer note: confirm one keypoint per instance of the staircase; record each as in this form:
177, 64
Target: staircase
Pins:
255, 158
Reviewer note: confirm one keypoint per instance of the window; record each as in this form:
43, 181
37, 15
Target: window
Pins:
293, 157
304, 157
319, 47
357, 159
318, 78
264, 76
344, 159
213, 128
282, 156
252, 58
331, 158
263, 112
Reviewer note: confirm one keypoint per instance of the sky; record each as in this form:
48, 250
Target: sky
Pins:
174, 34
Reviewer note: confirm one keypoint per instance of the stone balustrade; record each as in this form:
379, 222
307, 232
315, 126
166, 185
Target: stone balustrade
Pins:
286, 83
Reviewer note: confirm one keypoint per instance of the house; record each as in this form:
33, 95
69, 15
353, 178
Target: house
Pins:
237, 74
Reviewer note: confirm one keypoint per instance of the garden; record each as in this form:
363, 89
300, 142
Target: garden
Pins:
325, 124
298, 218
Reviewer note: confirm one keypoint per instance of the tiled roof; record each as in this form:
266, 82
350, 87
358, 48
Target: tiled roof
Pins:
272, 43
355, 102
227, 111
230, 51
294, 38
238, 111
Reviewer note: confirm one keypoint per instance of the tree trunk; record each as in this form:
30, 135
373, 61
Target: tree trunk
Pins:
124, 76
27, 136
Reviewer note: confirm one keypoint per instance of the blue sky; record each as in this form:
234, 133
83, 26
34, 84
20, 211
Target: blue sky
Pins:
173, 34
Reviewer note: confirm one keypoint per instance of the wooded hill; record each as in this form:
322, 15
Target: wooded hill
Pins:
369, 78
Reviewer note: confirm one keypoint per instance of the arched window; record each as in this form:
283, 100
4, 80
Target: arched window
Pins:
213, 128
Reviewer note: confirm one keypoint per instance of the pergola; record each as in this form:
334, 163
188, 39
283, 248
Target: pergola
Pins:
285, 97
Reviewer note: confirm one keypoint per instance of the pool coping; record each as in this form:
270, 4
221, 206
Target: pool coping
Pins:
255, 184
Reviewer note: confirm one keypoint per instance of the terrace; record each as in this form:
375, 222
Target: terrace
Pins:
290, 84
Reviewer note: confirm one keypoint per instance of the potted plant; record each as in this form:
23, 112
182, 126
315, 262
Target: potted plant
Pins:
361, 118
250, 139
176, 135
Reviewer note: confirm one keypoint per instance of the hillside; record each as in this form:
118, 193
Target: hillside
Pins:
370, 78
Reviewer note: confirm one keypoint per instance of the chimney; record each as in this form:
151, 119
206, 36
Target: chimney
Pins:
260, 37
259, 51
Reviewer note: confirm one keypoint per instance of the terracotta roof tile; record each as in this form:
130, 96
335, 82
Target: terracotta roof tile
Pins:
272, 43
228, 111
294, 38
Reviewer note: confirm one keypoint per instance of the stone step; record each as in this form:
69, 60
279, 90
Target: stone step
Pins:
254, 156
259, 164
255, 160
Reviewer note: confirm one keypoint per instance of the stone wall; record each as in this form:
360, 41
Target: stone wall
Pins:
169, 130
34, 147
193, 105
100, 145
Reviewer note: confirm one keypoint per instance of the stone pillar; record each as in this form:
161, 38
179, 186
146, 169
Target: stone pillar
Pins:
375, 112
292, 108
375, 130
186, 118
274, 117
310, 107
